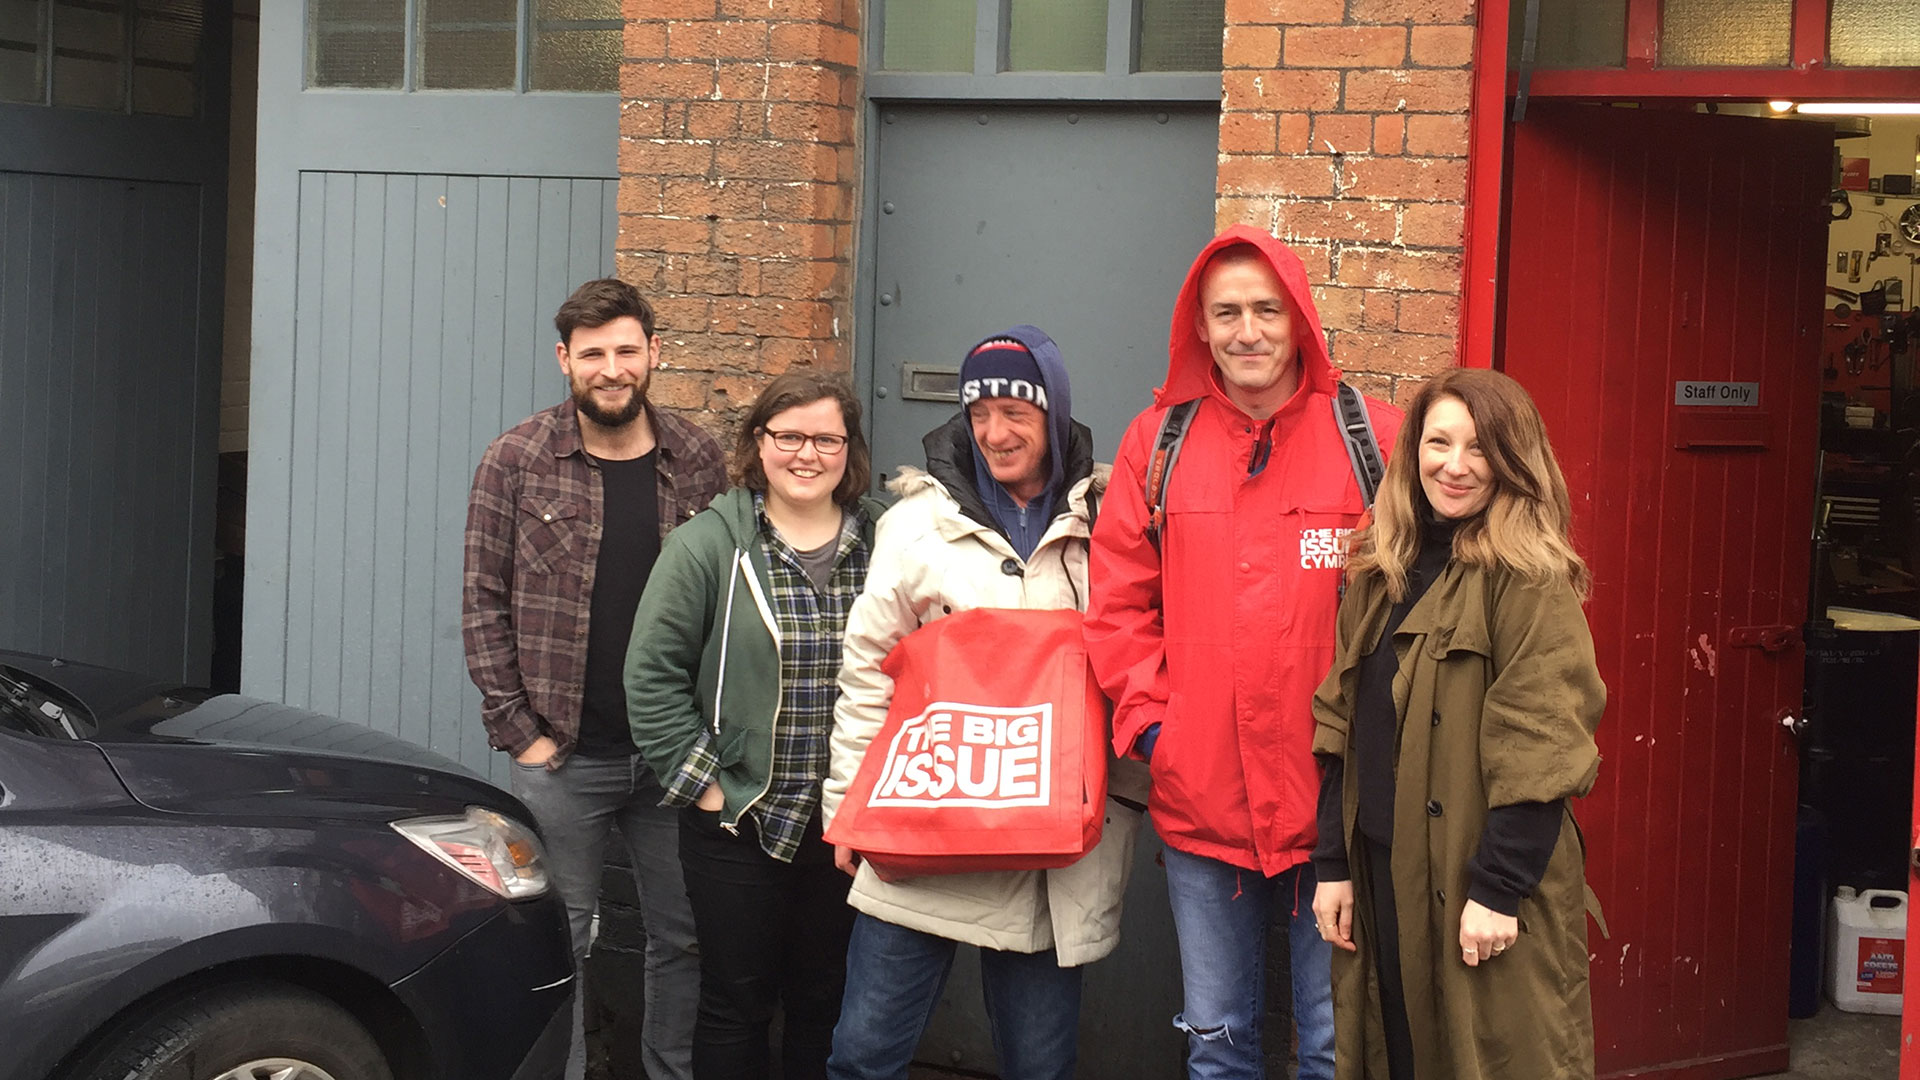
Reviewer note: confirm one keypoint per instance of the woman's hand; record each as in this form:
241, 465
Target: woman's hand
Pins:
1333, 912
846, 859
712, 798
1484, 933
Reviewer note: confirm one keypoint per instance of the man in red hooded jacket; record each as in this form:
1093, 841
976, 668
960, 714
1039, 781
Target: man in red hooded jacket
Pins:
1212, 643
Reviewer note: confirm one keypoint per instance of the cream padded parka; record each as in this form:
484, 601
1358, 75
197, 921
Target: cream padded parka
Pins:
930, 560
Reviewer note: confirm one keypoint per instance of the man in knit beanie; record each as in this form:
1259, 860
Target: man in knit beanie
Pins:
1018, 430
999, 518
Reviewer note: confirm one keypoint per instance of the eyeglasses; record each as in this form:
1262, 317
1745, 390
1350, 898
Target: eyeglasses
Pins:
792, 441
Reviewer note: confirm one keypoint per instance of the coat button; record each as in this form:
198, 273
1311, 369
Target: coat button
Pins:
1436, 719
546, 517
1433, 808
1010, 567
1440, 895
1246, 568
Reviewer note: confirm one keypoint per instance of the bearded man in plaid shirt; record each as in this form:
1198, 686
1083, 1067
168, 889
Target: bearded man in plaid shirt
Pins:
563, 525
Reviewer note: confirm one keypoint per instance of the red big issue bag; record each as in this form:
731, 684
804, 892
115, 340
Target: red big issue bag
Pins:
993, 755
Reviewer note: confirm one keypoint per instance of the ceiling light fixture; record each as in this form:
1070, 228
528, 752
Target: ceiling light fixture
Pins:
1859, 108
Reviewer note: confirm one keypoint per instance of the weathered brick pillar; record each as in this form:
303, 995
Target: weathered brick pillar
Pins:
1344, 132
737, 175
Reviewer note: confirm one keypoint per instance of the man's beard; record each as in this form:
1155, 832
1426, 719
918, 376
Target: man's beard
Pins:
590, 408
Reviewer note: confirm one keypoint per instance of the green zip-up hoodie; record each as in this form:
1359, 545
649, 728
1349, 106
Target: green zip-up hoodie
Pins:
703, 664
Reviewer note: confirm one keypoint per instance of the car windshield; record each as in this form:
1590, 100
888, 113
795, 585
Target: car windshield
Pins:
31, 706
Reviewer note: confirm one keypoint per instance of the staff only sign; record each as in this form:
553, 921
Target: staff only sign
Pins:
969, 755
993, 753
1738, 394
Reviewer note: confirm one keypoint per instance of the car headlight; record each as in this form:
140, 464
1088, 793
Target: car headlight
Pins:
490, 848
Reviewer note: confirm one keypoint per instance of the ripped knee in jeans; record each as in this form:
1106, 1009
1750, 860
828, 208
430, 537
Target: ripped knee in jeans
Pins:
1204, 1034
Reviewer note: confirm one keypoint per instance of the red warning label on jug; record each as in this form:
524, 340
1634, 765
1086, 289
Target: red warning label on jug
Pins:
1880, 961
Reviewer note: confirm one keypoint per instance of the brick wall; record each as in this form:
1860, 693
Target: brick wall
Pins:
737, 172
1344, 132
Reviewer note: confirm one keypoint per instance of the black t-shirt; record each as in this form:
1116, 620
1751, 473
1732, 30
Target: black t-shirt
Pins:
629, 544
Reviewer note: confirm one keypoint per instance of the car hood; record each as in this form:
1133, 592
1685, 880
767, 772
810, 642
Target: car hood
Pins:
242, 755
184, 750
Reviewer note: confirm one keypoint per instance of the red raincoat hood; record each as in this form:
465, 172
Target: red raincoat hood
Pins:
1190, 361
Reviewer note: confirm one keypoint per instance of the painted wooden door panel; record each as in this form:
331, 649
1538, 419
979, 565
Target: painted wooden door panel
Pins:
1650, 249
1910, 972
1080, 221
1009, 216
112, 244
422, 329
104, 430
410, 250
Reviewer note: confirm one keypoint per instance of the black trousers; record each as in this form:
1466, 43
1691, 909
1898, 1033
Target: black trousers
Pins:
773, 935
1386, 955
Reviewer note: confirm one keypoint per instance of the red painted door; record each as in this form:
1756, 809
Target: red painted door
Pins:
1910, 985
1662, 303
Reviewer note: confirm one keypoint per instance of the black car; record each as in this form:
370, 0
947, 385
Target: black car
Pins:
221, 888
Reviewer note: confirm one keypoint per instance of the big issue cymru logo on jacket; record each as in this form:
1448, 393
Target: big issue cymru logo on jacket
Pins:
1324, 549
954, 754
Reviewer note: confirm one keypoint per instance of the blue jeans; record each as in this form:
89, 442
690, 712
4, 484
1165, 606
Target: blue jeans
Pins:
1221, 913
894, 979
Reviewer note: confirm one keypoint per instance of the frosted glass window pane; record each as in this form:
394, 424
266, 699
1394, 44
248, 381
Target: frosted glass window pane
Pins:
164, 91
89, 55
166, 47
580, 10
928, 35
1057, 35
1875, 33
83, 83
23, 51
21, 23
356, 43
468, 44
20, 77
580, 60
1720, 33
167, 32
576, 45
1181, 35
1573, 34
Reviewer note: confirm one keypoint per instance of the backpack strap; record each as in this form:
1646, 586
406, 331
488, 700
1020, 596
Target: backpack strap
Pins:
1363, 449
1166, 450
1350, 412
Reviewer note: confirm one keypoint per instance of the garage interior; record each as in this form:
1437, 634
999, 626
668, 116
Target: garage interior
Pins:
1863, 644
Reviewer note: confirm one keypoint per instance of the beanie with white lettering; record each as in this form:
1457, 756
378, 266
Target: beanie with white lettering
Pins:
1006, 367
1002, 367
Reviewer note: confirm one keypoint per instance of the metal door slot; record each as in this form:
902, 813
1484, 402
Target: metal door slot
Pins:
929, 382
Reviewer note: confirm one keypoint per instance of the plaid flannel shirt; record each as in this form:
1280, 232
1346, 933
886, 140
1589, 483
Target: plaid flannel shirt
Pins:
533, 537
812, 625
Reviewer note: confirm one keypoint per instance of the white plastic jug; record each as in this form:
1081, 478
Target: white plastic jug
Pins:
1867, 946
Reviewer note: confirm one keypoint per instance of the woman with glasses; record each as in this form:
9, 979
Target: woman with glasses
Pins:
730, 690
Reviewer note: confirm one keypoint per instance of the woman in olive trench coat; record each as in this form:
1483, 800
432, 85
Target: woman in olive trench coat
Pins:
1497, 698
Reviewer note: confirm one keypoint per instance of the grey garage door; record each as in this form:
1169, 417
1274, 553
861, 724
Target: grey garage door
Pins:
112, 223
1078, 219
433, 181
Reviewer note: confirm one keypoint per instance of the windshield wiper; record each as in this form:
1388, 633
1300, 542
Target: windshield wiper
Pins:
35, 709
